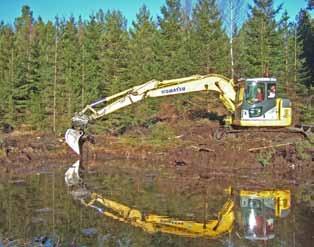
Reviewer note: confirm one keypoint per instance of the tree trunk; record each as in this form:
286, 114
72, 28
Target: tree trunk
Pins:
55, 85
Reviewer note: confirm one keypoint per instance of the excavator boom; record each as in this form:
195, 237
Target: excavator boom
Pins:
152, 89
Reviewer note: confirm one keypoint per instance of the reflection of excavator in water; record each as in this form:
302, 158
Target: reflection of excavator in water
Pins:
250, 103
152, 223
257, 209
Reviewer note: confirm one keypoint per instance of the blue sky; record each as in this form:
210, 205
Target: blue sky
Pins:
48, 9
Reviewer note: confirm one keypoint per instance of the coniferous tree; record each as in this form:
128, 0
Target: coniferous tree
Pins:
142, 54
262, 49
34, 79
70, 67
91, 53
170, 57
46, 73
115, 53
50, 70
211, 52
291, 77
305, 29
241, 44
142, 62
7, 74
114, 61
22, 87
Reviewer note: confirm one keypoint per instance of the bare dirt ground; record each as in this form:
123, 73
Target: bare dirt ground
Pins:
191, 152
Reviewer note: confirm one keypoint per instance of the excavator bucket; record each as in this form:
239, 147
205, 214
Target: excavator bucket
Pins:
72, 138
72, 176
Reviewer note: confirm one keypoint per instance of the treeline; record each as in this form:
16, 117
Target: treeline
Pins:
49, 70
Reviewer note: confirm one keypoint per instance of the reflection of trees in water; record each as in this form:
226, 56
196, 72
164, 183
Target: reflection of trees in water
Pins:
40, 207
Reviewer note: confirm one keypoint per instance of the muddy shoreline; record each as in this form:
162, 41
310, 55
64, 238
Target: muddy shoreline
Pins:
192, 153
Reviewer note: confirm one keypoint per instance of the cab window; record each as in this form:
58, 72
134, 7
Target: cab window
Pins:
255, 93
271, 91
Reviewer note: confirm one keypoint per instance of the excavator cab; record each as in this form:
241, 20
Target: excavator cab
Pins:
259, 104
259, 210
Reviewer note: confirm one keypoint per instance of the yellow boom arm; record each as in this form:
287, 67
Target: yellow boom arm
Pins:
154, 88
218, 83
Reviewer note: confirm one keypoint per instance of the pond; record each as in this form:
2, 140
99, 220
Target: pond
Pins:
42, 211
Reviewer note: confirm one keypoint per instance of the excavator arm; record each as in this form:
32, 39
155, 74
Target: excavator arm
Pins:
152, 89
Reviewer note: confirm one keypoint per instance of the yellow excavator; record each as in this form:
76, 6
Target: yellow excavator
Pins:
250, 103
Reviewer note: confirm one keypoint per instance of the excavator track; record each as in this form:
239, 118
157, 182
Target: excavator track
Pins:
305, 130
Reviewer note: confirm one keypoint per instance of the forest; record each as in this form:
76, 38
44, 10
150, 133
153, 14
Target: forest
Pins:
50, 70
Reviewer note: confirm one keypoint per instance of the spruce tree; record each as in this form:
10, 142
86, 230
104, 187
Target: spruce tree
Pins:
34, 106
23, 83
169, 45
46, 33
142, 63
305, 29
241, 44
115, 52
291, 77
7, 74
142, 54
262, 50
91, 54
70, 67
210, 40
114, 61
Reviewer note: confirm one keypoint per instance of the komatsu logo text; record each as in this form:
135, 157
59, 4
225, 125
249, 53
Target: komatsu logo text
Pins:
173, 90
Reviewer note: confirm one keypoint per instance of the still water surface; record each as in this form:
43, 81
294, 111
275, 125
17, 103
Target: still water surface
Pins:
42, 211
